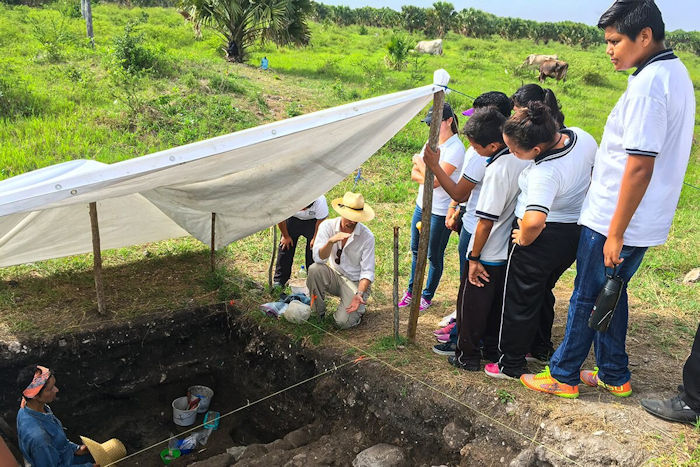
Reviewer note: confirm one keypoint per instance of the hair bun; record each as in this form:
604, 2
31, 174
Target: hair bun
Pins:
538, 112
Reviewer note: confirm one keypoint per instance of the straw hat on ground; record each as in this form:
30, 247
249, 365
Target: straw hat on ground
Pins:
105, 453
352, 206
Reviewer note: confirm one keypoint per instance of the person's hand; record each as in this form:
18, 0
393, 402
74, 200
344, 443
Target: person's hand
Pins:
611, 252
517, 237
450, 222
286, 242
477, 273
357, 300
431, 159
340, 236
82, 450
311, 243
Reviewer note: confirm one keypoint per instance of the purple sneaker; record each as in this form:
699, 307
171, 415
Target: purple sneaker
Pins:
442, 338
424, 304
405, 300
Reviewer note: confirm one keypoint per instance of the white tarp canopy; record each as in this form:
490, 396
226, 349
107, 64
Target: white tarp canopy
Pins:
251, 179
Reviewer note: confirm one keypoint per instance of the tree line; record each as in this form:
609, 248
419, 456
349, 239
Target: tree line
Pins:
437, 20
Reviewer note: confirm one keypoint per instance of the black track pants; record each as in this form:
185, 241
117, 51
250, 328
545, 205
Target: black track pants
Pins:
528, 302
296, 228
478, 315
691, 376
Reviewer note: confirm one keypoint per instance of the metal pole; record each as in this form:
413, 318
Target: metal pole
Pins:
97, 259
212, 249
438, 101
396, 284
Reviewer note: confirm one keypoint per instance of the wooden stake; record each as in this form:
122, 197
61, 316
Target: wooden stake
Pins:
97, 259
396, 284
436, 120
87, 13
212, 249
272, 257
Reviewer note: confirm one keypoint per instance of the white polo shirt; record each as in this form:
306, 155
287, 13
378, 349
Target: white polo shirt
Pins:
318, 210
655, 118
473, 171
497, 199
556, 184
451, 151
357, 257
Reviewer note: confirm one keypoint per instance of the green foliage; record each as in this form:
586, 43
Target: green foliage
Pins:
131, 53
53, 35
243, 22
68, 8
221, 281
684, 40
293, 109
399, 48
16, 100
504, 396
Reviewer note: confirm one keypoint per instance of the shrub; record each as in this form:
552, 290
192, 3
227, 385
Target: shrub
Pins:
53, 35
594, 78
130, 52
399, 49
68, 8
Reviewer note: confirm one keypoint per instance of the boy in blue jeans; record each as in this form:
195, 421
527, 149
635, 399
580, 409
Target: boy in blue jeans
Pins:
636, 184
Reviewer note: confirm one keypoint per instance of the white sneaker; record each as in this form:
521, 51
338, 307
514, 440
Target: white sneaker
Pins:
448, 319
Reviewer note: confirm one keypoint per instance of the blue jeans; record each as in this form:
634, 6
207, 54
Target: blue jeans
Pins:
464, 238
609, 346
439, 235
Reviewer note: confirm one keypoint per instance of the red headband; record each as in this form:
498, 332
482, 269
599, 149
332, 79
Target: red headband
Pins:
41, 376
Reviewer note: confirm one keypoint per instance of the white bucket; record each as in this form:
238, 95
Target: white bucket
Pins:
182, 416
205, 394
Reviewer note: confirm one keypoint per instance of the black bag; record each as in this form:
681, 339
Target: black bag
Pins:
606, 302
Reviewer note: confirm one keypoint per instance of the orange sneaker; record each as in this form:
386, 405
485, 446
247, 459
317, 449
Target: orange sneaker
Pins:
544, 382
590, 378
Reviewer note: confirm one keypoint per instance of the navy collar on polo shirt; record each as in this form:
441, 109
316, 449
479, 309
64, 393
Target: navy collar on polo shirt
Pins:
552, 154
498, 154
666, 54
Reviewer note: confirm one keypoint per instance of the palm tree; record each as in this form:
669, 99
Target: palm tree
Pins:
242, 22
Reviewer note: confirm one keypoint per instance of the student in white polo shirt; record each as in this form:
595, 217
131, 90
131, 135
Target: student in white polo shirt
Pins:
481, 289
302, 224
545, 231
637, 180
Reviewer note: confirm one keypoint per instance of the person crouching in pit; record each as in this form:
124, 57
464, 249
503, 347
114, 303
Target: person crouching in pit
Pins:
344, 260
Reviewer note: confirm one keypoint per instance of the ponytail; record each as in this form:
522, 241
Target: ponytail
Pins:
531, 126
551, 101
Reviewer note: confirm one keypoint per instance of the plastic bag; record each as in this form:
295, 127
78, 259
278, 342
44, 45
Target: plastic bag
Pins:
297, 312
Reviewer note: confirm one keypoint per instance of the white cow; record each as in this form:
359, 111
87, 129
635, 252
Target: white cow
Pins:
430, 47
535, 60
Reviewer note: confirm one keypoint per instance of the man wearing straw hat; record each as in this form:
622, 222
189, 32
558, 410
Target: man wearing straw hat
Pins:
41, 437
344, 260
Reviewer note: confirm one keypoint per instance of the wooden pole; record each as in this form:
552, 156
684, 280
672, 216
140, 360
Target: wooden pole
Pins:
212, 249
396, 284
438, 102
97, 259
272, 257
87, 12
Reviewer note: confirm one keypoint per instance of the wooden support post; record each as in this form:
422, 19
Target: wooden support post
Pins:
272, 257
212, 245
87, 13
438, 102
97, 258
396, 284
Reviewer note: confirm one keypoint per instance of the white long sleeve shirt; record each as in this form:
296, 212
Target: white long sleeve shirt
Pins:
357, 257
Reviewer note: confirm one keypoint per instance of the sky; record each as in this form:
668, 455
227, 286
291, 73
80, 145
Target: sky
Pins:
678, 14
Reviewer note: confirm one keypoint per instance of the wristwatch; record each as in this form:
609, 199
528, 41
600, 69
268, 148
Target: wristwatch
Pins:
473, 258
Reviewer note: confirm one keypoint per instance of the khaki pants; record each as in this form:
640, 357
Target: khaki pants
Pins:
323, 280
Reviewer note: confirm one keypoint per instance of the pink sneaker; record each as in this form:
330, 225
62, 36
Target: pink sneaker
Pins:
424, 304
405, 300
446, 330
493, 371
443, 337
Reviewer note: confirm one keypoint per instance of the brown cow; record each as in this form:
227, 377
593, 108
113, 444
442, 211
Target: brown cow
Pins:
553, 69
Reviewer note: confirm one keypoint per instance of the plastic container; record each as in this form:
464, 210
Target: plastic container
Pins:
182, 416
211, 420
168, 455
302, 272
205, 394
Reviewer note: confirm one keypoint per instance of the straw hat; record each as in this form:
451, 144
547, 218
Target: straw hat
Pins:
105, 453
352, 206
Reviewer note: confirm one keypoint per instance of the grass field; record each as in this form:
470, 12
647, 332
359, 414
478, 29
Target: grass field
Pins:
61, 100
